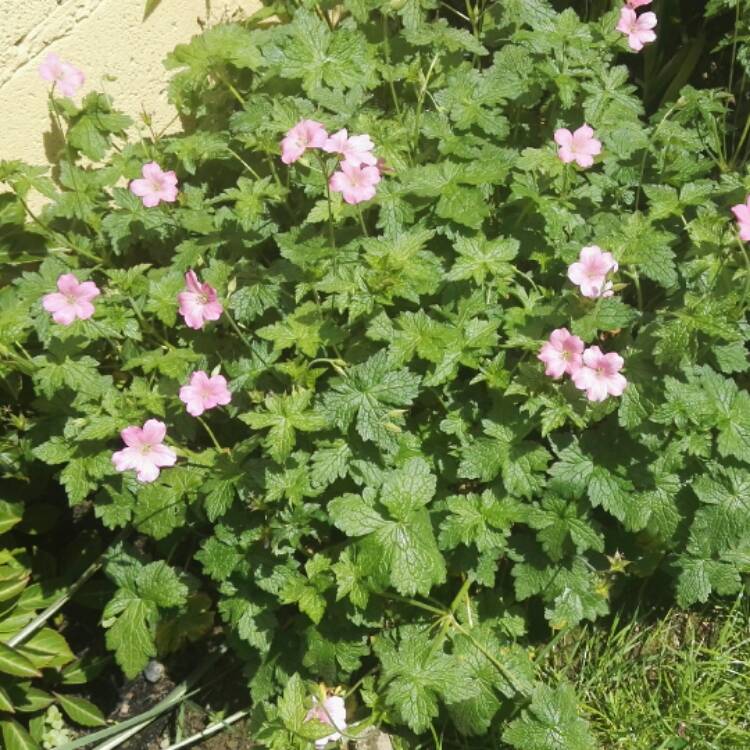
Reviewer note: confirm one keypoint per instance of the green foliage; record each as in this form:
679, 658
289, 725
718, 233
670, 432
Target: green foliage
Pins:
396, 495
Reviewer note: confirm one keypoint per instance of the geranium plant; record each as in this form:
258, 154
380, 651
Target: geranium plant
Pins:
420, 336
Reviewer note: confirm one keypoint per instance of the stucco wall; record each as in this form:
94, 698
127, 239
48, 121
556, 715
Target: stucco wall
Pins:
119, 51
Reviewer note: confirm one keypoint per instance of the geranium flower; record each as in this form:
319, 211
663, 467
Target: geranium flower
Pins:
637, 28
579, 146
357, 184
204, 393
145, 452
742, 213
562, 353
155, 186
199, 303
305, 134
66, 77
332, 711
600, 374
356, 150
590, 272
72, 300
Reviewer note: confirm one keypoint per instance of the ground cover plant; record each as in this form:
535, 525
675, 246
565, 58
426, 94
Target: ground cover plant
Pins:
420, 342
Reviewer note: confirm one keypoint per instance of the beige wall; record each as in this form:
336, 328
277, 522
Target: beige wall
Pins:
119, 51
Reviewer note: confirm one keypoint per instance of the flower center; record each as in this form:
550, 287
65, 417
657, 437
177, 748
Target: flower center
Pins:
146, 448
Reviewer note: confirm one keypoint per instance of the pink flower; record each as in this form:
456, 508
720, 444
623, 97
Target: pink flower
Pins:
636, 3
590, 272
145, 451
562, 353
156, 185
333, 712
204, 393
61, 74
580, 146
357, 184
742, 213
71, 301
638, 28
356, 150
199, 303
305, 134
600, 374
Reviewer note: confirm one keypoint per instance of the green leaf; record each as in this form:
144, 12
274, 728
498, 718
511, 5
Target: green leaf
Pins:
480, 258
408, 488
608, 314
550, 723
409, 552
81, 711
560, 522
15, 737
416, 675
615, 494
315, 55
150, 7
292, 708
159, 510
47, 648
369, 392
10, 515
329, 463
285, 414
130, 636
131, 616
14, 663
480, 520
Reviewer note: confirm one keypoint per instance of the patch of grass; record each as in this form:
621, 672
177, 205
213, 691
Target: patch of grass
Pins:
679, 681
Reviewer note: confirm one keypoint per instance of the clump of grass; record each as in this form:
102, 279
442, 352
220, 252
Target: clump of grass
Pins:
679, 681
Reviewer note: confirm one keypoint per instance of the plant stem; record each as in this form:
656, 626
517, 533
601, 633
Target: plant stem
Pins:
362, 222
210, 730
326, 177
387, 50
244, 163
420, 102
211, 435
234, 325
747, 273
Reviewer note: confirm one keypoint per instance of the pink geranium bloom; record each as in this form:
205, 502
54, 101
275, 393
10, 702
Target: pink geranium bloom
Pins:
333, 712
155, 186
600, 374
199, 303
636, 3
64, 76
71, 301
357, 184
356, 150
579, 146
590, 272
562, 353
145, 452
204, 393
637, 28
742, 213
305, 134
